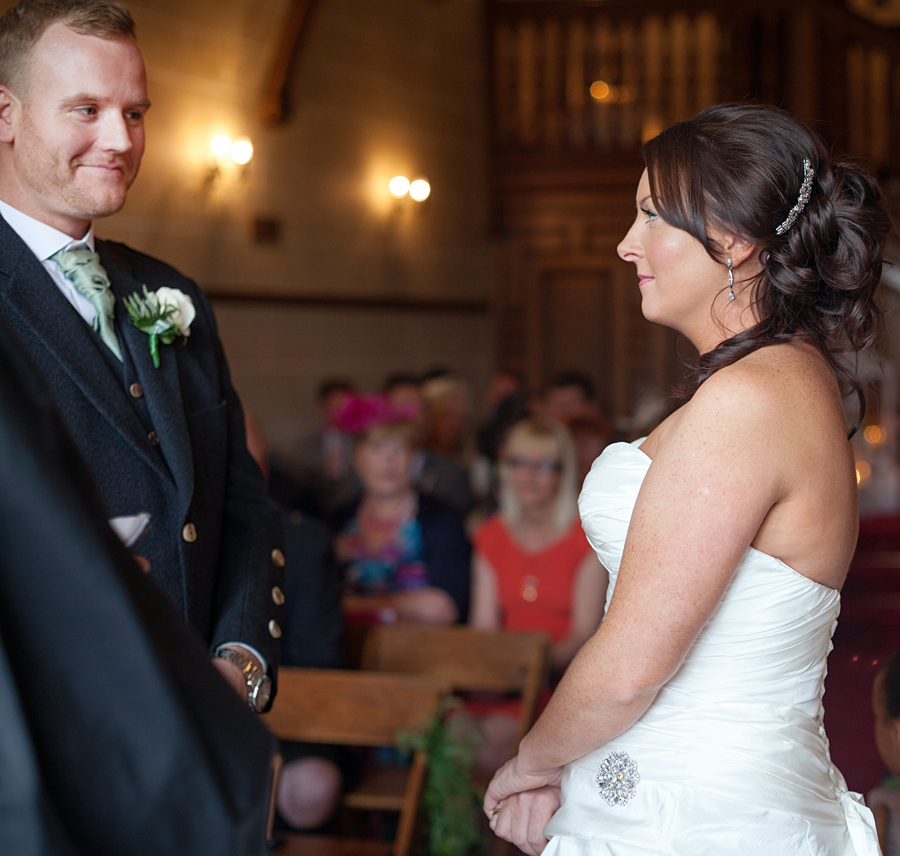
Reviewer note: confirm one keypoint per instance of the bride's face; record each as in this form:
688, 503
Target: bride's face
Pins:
677, 278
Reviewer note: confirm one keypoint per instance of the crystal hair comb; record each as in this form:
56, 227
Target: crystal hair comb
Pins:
805, 192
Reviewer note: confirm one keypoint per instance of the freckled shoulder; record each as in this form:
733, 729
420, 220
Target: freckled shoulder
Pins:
770, 383
763, 398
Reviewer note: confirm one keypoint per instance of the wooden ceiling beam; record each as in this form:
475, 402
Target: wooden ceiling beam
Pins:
274, 106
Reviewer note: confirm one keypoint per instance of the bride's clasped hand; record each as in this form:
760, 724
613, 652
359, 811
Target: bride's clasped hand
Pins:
512, 779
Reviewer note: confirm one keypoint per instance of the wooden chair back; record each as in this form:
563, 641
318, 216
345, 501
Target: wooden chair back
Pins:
469, 660
359, 709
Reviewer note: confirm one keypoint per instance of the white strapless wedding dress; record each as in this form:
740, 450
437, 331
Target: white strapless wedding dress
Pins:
731, 759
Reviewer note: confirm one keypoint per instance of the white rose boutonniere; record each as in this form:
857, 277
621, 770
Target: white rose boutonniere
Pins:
164, 315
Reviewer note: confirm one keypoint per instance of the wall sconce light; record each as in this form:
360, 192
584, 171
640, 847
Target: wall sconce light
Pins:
242, 151
399, 186
227, 156
419, 189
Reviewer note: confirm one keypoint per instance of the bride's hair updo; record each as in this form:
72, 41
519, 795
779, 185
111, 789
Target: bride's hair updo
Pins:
738, 169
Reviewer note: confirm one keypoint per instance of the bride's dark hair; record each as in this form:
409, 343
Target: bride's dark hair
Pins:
737, 169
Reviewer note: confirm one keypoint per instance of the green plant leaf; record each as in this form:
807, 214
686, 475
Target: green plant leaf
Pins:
153, 319
450, 738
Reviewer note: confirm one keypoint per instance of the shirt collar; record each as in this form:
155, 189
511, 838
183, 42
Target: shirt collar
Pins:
42, 240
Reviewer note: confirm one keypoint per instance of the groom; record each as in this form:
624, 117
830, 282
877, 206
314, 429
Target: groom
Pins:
167, 440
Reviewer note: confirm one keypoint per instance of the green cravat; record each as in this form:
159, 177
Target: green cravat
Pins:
83, 269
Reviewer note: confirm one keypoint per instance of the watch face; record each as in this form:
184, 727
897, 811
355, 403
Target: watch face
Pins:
261, 697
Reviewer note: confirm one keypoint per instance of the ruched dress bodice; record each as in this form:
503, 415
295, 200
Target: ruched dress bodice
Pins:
731, 757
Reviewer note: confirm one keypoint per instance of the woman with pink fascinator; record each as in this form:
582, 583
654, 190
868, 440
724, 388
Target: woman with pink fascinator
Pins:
405, 556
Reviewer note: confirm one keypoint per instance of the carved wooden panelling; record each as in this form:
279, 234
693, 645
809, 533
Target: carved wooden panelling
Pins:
577, 86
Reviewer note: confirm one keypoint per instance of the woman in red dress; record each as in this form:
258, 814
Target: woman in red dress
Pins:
533, 567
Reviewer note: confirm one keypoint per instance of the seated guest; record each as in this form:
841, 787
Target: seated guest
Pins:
310, 783
571, 395
448, 452
885, 799
592, 434
439, 467
506, 401
533, 567
405, 556
404, 390
324, 454
311, 780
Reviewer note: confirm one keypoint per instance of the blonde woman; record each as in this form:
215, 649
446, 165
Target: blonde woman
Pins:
533, 568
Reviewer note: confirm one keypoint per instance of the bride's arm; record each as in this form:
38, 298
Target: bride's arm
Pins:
712, 482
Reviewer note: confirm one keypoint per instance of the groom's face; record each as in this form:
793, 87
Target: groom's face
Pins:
78, 128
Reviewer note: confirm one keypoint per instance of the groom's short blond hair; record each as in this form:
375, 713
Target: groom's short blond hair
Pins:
22, 27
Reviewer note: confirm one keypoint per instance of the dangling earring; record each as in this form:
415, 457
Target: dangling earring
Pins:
730, 280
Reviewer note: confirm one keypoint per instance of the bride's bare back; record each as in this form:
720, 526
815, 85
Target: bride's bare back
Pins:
778, 414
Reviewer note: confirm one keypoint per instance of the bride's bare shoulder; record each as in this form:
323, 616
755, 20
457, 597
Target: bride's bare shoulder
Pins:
792, 375
771, 392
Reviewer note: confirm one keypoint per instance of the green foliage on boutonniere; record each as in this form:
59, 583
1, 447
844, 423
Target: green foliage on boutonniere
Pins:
164, 315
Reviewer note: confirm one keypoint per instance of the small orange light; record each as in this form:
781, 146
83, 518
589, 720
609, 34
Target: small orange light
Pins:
600, 90
875, 435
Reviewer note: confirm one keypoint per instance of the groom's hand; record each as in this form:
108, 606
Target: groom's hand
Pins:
521, 818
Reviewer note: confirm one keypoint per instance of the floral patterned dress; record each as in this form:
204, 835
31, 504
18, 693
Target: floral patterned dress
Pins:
380, 557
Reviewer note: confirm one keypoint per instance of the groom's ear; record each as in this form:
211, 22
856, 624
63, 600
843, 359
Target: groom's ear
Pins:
10, 108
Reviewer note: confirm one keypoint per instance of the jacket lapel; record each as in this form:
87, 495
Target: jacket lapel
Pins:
162, 386
36, 308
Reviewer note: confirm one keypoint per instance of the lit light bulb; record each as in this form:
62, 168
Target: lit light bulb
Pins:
220, 145
399, 186
420, 190
242, 151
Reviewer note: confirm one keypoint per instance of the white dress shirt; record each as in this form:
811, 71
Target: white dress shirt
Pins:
45, 241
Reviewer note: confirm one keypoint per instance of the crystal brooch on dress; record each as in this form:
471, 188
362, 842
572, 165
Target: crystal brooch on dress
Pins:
618, 778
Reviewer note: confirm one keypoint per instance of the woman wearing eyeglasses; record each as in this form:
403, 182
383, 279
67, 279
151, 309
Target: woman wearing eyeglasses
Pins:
533, 568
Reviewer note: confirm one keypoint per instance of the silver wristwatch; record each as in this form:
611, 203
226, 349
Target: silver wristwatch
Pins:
259, 684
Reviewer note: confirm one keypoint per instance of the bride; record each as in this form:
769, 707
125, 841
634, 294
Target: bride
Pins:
691, 722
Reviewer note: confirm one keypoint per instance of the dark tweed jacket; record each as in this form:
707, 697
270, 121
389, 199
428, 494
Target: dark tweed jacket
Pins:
199, 472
